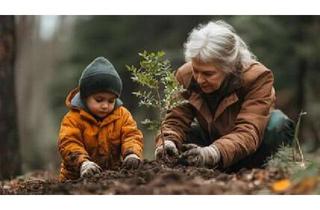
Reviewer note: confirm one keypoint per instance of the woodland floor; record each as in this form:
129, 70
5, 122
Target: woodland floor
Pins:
156, 178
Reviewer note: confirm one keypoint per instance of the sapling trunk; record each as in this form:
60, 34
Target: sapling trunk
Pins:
161, 117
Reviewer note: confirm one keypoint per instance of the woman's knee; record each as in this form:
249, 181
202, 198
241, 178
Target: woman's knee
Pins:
279, 130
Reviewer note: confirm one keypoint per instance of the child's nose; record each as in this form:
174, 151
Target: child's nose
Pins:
105, 105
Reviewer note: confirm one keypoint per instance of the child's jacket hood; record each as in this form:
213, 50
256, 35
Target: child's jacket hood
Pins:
74, 101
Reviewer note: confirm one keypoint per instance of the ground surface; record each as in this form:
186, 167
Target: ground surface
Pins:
152, 178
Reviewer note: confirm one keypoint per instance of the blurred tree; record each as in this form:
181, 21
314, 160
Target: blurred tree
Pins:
27, 69
10, 161
36, 62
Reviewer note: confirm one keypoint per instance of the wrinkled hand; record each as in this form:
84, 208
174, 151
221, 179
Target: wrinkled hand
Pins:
131, 161
89, 168
201, 156
170, 149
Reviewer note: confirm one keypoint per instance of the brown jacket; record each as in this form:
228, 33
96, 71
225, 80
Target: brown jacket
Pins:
82, 138
237, 124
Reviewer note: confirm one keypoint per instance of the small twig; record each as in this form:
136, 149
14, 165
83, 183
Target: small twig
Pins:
296, 139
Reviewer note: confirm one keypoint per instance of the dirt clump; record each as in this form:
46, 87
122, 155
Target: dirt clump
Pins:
151, 177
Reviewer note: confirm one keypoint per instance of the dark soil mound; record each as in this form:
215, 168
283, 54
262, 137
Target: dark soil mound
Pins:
151, 178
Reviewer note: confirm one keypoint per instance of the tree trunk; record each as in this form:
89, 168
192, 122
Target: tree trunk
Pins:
10, 161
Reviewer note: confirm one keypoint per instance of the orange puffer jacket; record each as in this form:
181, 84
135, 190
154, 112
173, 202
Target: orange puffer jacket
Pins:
104, 142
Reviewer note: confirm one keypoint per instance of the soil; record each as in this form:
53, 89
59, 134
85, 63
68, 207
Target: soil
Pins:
151, 177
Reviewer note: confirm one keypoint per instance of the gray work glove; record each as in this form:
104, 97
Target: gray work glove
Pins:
89, 168
170, 149
195, 155
131, 161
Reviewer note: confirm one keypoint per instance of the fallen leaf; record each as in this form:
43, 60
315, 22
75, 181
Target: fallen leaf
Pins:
281, 185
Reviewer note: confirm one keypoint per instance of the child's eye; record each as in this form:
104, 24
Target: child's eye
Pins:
98, 100
111, 101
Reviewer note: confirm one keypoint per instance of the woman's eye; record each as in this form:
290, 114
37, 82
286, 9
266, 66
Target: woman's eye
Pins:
209, 74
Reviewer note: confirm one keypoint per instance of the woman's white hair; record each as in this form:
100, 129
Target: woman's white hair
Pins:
217, 43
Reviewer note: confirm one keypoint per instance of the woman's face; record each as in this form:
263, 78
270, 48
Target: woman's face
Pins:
208, 76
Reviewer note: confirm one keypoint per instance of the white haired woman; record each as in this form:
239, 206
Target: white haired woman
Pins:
229, 120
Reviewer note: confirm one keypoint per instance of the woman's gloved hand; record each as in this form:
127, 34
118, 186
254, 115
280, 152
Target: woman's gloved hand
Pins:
195, 155
89, 168
170, 149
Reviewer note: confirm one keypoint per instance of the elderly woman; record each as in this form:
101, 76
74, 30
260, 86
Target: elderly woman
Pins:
229, 119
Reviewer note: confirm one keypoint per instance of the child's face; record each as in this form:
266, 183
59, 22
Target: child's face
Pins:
101, 104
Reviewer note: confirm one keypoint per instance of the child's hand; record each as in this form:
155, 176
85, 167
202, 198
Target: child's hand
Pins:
89, 168
131, 161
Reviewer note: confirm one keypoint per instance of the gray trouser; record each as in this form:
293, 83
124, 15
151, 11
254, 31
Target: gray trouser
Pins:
279, 131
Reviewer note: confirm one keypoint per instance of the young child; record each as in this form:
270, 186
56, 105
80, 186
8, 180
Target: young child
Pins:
97, 131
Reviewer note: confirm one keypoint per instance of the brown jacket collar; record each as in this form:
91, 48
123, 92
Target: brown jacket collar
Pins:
193, 93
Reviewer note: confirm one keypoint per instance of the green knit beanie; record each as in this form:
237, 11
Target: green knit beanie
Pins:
99, 75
